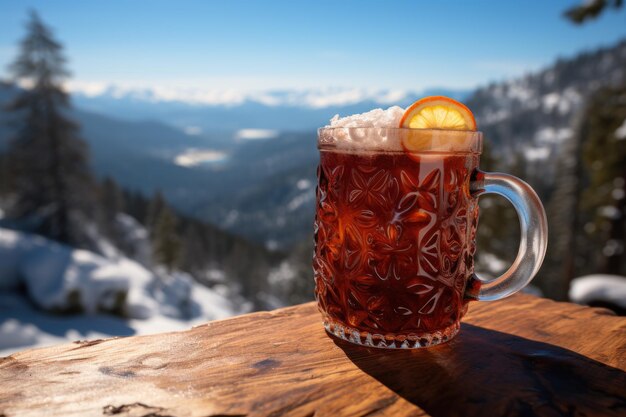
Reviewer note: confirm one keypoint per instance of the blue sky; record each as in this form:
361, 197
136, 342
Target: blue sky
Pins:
254, 45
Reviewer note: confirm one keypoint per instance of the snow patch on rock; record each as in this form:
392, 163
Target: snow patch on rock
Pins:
59, 278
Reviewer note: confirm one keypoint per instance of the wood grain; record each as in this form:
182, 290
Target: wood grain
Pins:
520, 356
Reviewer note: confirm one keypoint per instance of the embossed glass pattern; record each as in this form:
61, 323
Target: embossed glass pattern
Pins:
395, 239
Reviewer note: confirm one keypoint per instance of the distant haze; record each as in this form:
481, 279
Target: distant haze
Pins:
253, 115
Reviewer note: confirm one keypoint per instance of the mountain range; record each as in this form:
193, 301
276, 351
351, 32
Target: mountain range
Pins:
263, 188
210, 112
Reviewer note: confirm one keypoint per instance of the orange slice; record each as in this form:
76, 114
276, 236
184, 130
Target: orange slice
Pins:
438, 112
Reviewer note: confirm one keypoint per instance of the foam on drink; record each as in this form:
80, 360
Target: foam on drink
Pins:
378, 130
373, 118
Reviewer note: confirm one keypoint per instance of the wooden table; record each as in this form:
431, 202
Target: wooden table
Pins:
520, 356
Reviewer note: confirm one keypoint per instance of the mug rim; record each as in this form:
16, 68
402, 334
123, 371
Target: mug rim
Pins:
392, 139
398, 129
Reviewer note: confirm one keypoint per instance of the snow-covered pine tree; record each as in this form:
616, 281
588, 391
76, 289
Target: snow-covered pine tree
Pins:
48, 160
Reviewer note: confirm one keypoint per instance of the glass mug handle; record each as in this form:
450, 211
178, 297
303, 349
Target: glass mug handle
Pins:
534, 235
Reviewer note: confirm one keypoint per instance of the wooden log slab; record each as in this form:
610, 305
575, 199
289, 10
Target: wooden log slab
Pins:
520, 356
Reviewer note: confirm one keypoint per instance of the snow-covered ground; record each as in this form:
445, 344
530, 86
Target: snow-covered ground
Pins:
608, 289
38, 276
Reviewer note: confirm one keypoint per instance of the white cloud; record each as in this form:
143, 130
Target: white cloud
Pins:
326, 99
196, 95
87, 88
392, 97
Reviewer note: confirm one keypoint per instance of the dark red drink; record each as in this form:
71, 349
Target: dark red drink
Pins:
394, 240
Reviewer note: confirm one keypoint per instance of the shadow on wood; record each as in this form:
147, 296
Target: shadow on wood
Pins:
487, 372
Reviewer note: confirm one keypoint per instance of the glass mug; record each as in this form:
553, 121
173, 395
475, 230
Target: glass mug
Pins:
395, 234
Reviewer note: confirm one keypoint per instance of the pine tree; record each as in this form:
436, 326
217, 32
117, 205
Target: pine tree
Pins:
563, 262
5, 176
112, 200
136, 205
591, 9
605, 160
301, 288
48, 160
157, 204
166, 244
193, 254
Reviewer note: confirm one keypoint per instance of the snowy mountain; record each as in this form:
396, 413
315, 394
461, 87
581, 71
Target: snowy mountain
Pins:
525, 120
206, 112
255, 177
530, 117
38, 276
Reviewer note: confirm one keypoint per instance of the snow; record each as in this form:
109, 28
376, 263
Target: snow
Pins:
282, 275
9, 268
599, 287
494, 116
562, 102
192, 157
272, 245
536, 154
256, 134
300, 200
231, 218
60, 278
550, 101
552, 135
610, 212
491, 264
135, 238
304, 184
53, 273
215, 275
208, 96
519, 91
23, 326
